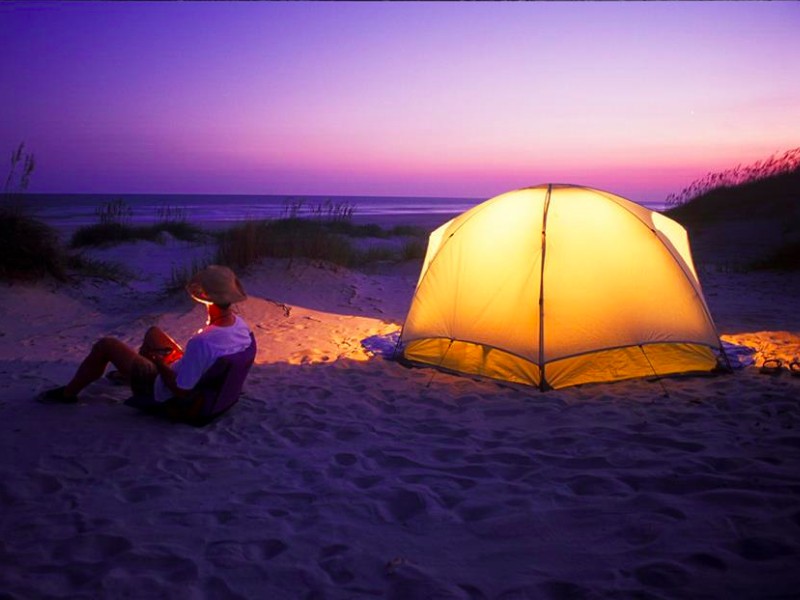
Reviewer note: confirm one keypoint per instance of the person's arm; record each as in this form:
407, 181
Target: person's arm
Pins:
169, 376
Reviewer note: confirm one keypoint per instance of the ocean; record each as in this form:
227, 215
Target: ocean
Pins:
67, 212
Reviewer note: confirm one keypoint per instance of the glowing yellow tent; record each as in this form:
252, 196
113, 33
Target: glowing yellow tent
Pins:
559, 285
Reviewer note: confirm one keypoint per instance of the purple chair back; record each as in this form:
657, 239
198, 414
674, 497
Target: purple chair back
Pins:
217, 391
222, 384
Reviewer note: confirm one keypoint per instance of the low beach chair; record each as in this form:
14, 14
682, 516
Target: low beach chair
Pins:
216, 392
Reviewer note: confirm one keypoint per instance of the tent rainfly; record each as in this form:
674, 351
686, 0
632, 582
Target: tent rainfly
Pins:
559, 285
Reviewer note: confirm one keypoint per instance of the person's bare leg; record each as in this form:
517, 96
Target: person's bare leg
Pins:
156, 340
106, 350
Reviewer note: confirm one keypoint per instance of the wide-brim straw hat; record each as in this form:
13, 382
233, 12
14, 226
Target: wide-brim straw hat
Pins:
216, 284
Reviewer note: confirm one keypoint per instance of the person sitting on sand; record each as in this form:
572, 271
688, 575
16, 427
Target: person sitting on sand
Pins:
161, 369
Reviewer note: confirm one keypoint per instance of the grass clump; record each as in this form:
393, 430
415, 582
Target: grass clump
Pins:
113, 226
29, 249
251, 241
331, 241
770, 169
414, 249
180, 275
108, 234
784, 258
100, 269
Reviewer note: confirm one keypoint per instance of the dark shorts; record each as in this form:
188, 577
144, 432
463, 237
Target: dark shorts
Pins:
143, 376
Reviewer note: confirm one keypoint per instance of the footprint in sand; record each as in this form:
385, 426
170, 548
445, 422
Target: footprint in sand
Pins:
555, 589
29, 488
91, 548
143, 492
662, 575
345, 459
233, 553
332, 561
762, 549
367, 481
706, 561
404, 505
204, 520
216, 587
183, 470
590, 485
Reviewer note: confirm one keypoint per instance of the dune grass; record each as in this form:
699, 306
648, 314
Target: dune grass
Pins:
784, 258
767, 192
769, 169
100, 269
29, 248
331, 241
113, 226
108, 234
774, 195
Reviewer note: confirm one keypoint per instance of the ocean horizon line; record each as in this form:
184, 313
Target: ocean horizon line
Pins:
69, 211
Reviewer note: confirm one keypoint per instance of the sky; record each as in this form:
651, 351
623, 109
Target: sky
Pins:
454, 99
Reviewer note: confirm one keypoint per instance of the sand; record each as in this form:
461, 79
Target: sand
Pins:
342, 474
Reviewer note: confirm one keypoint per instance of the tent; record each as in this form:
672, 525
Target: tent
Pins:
559, 285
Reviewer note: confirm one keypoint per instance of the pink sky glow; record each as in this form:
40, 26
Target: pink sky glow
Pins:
434, 99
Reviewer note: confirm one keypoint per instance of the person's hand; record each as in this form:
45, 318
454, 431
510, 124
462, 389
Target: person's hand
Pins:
158, 355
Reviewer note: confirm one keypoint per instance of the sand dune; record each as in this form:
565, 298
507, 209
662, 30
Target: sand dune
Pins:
342, 474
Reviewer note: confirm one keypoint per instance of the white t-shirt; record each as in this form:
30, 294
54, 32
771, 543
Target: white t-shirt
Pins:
202, 350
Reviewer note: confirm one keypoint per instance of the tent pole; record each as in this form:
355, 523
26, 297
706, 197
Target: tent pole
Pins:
725, 355
653, 369
542, 381
441, 362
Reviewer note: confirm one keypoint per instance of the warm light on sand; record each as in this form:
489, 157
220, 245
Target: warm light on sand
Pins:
303, 336
766, 345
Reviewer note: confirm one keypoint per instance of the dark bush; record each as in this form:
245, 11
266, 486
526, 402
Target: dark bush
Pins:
784, 258
29, 249
108, 234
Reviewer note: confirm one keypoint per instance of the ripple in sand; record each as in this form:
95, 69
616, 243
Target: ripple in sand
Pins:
706, 561
143, 493
662, 575
91, 548
763, 549
231, 553
345, 459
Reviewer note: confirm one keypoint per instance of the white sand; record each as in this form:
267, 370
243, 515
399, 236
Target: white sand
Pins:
344, 475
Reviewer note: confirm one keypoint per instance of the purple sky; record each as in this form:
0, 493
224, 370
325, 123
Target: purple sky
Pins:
438, 99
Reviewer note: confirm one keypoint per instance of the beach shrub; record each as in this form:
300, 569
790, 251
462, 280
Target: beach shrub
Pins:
113, 226
29, 248
737, 177
250, 241
358, 231
409, 231
181, 230
772, 196
101, 269
413, 249
109, 234
106, 234
784, 258
375, 254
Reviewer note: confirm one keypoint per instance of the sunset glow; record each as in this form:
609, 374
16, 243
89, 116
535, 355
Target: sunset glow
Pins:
433, 99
